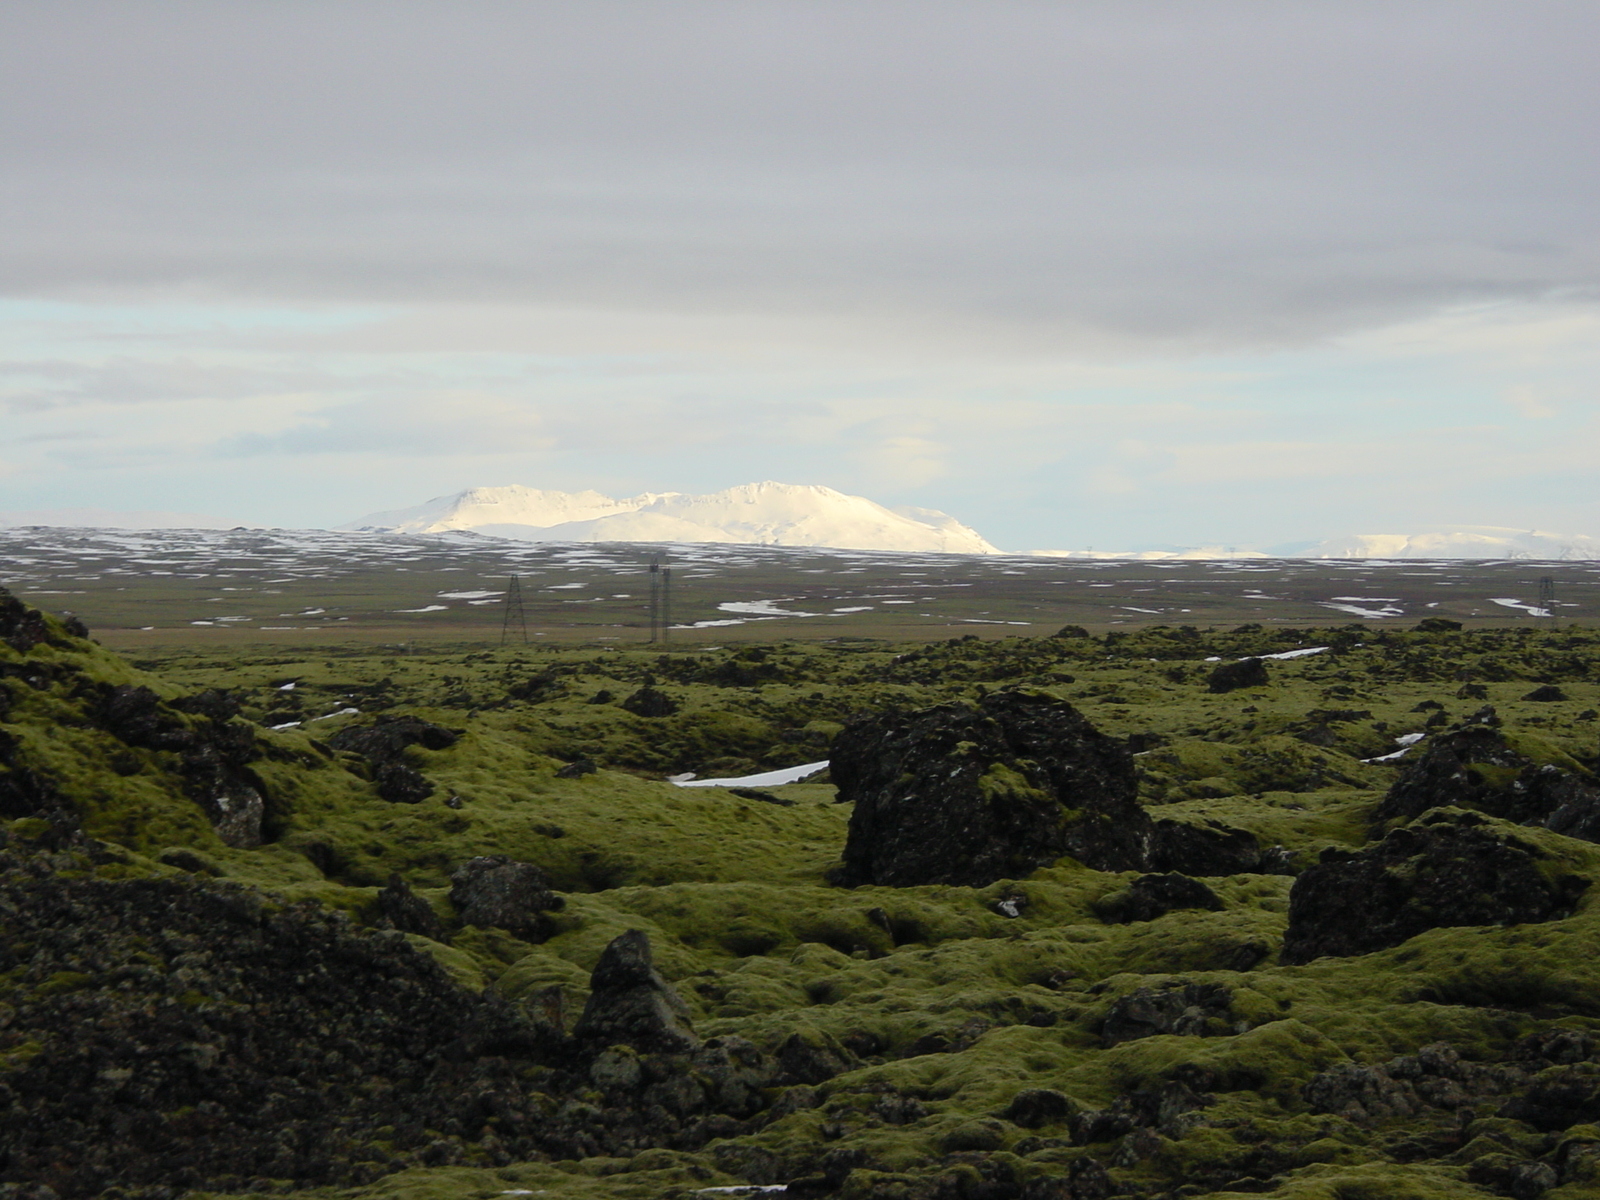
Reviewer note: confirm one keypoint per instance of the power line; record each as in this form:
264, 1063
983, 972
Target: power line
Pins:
514, 618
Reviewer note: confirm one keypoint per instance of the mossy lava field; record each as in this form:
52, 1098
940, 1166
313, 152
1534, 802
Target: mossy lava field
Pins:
1299, 905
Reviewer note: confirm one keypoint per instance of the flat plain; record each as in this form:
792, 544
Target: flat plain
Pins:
216, 589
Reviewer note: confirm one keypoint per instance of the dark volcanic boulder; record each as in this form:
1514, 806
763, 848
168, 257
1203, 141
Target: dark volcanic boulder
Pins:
970, 793
384, 745
401, 908
1195, 1009
386, 741
1246, 673
1213, 849
1451, 869
499, 892
214, 752
650, 701
22, 628
401, 783
1546, 694
180, 1034
1474, 766
1152, 896
630, 1004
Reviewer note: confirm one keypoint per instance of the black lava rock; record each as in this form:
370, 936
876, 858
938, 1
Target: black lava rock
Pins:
1196, 1009
630, 1004
214, 753
401, 908
384, 745
1152, 896
22, 628
188, 1034
1034, 1108
1473, 766
1549, 692
401, 783
1246, 673
1451, 869
968, 794
1213, 849
387, 739
650, 701
496, 891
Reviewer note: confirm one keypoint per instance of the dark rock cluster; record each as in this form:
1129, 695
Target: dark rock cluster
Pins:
494, 890
1230, 677
1451, 869
1152, 896
1475, 766
214, 753
172, 1034
969, 794
384, 746
1195, 1009
1509, 1115
963, 794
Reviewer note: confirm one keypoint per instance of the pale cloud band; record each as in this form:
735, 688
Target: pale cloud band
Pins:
1093, 272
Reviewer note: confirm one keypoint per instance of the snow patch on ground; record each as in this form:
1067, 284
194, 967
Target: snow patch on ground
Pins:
765, 779
1533, 610
1387, 610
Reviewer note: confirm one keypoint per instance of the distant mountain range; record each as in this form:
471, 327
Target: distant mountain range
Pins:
768, 514
800, 515
1491, 542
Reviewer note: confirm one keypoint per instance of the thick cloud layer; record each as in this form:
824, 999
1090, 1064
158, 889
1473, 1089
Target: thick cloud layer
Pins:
1213, 171
1136, 270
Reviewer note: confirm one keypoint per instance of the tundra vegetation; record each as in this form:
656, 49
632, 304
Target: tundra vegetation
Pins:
1074, 916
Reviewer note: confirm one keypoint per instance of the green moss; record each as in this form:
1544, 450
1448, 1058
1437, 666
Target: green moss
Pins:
937, 995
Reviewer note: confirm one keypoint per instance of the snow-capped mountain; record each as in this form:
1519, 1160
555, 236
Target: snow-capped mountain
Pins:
767, 514
1458, 541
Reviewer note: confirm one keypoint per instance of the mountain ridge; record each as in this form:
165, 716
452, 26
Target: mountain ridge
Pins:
766, 513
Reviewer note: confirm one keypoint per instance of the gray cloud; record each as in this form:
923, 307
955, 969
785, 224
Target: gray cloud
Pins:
1184, 174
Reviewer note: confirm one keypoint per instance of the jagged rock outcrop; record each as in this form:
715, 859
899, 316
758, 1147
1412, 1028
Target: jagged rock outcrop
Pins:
22, 628
1171, 1109
650, 701
398, 907
1474, 766
180, 1033
384, 745
214, 752
1196, 1009
1230, 677
972, 793
968, 794
493, 890
168, 1034
1152, 896
630, 1004
1213, 849
1450, 869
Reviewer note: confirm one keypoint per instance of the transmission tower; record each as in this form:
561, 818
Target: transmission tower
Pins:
655, 600
666, 603
1547, 596
514, 618
660, 601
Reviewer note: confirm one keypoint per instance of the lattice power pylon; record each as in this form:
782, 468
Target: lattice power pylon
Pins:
660, 601
1547, 596
515, 619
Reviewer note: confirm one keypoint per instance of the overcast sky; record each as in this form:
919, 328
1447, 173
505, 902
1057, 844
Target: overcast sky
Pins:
1110, 274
